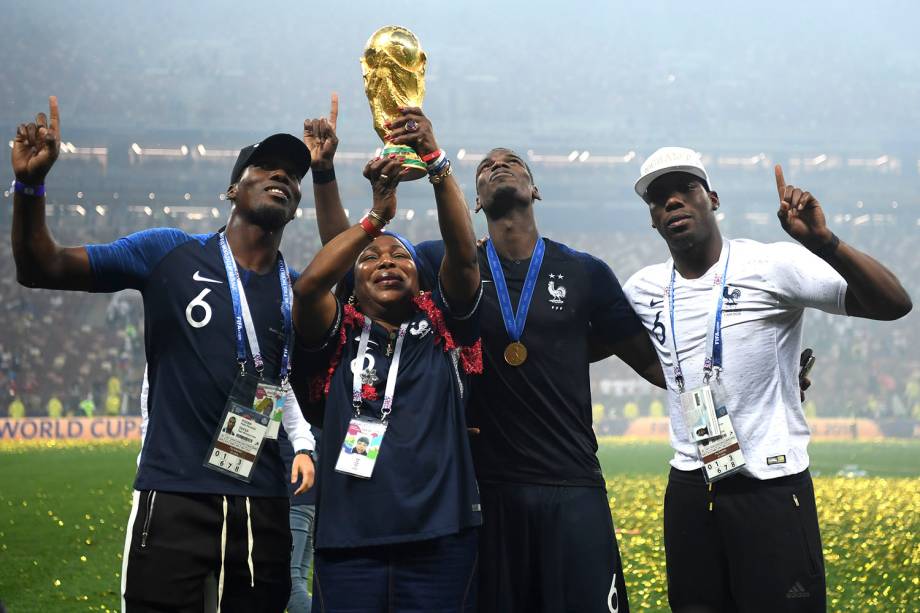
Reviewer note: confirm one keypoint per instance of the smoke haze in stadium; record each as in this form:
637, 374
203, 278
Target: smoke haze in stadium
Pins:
830, 90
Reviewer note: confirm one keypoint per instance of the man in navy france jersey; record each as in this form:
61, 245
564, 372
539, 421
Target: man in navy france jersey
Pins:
740, 521
547, 541
191, 524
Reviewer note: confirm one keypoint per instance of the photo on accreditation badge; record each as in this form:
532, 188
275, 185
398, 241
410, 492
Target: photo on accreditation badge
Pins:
360, 448
363, 439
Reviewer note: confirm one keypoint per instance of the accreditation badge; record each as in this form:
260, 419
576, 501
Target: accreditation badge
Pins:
721, 455
699, 412
238, 442
361, 447
242, 429
269, 400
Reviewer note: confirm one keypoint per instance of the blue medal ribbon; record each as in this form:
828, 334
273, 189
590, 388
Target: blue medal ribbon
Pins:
242, 318
514, 322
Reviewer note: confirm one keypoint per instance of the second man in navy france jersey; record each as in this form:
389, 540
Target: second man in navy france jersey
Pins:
398, 507
547, 542
214, 305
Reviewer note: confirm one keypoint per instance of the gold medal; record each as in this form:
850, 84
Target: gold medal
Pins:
515, 353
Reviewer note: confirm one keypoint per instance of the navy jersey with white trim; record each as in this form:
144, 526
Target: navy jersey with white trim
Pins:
423, 485
535, 419
191, 353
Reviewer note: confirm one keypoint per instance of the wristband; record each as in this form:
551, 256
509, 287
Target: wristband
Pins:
321, 177
829, 249
368, 226
29, 190
432, 156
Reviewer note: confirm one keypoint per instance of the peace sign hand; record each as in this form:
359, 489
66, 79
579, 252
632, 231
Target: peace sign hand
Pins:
801, 214
37, 146
320, 138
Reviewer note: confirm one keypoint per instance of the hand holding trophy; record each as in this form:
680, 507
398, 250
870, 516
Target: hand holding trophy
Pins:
394, 77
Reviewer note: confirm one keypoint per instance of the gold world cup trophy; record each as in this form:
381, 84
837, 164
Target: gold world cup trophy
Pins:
394, 76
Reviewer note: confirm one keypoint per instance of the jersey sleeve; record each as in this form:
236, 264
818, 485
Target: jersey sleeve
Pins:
611, 317
430, 254
128, 262
802, 279
463, 326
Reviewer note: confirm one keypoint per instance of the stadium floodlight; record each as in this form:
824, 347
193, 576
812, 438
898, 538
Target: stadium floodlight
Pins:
584, 156
151, 196
461, 154
187, 196
137, 149
215, 212
166, 210
11, 144
79, 195
410, 213
202, 151
79, 209
100, 210
148, 211
573, 156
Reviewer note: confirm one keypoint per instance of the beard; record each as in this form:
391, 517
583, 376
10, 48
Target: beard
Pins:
269, 217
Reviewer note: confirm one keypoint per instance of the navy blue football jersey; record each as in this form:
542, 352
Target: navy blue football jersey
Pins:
535, 419
190, 343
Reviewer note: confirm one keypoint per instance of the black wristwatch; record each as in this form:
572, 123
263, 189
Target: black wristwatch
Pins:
308, 452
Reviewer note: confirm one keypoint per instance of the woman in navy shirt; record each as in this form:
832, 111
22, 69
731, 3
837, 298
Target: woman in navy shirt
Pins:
396, 521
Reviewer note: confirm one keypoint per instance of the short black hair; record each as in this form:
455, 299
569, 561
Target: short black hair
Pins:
512, 152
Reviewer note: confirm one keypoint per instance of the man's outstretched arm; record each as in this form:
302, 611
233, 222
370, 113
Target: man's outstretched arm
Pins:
873, 291
40, 261
320, 138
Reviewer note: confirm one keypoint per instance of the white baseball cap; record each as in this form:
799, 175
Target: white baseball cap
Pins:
670, 159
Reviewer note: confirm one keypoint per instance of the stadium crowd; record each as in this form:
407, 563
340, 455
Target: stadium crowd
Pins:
64, 353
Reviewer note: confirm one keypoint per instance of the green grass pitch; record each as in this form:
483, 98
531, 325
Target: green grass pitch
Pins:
63, 513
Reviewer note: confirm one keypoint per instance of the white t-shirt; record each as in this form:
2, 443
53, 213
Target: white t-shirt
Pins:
767, 289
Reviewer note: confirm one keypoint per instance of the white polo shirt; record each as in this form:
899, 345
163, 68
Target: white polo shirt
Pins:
768, 287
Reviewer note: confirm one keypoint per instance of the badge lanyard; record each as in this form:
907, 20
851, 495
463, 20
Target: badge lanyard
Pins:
391, 374
514, 322
713, 361
243, 318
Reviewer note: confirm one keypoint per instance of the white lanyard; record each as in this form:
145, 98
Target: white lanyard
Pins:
713, 361
358, 370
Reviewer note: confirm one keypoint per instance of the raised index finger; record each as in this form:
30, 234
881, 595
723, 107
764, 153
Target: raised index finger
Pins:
55, 114
780, 180
334, 110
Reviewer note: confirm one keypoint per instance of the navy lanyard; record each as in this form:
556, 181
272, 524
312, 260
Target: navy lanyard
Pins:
713, 361
514, 322
243, 319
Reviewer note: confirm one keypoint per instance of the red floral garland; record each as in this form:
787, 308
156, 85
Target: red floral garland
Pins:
470, 356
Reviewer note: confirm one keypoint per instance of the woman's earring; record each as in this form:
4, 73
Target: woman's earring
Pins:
352, 300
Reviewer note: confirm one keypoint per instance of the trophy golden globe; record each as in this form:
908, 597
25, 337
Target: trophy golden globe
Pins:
394, 76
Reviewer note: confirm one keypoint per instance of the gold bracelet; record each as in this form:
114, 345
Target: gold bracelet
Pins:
436, 179
378, 217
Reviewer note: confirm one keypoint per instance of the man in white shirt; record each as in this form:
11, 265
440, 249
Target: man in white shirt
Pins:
741, 527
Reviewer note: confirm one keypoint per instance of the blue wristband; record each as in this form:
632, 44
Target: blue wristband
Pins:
29, 190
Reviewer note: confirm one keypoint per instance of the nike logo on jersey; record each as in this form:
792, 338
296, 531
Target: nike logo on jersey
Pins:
654, 303
197, 277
